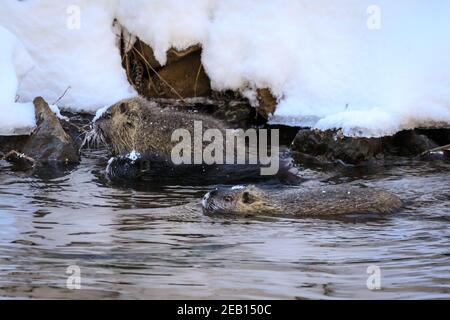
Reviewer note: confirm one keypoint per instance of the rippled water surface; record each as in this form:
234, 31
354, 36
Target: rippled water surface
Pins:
158, 244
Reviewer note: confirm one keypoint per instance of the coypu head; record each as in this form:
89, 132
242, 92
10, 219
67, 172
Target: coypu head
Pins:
239, 201
119, 126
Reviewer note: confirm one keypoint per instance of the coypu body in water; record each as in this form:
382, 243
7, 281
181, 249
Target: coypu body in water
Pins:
139, 134
326, 201
155, 169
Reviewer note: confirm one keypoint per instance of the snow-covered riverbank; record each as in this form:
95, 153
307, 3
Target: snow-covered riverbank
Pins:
15, 118
370, 70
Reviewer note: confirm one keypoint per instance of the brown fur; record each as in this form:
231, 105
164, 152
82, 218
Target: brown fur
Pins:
307, 201
140, 125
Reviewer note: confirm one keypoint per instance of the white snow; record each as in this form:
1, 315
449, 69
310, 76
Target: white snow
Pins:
55, 109
326, 63
100, 112
84, 61
166, 23
134, 155
373, 82
15, 118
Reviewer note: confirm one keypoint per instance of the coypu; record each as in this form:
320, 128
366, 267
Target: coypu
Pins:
139, 134
139, 125
331, 201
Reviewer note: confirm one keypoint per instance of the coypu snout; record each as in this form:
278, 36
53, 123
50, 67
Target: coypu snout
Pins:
239, 200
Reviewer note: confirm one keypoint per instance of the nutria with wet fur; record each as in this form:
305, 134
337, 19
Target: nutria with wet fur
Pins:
324, 201
142, 127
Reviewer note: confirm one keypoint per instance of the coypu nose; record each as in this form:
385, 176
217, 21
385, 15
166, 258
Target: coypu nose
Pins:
207, 197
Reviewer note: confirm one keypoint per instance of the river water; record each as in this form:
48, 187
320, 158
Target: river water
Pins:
157, 244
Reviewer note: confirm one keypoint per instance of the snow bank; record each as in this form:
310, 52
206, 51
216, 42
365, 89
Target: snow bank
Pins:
166, 23
15, 118
74, 46
329, 65
372, 82
370, 70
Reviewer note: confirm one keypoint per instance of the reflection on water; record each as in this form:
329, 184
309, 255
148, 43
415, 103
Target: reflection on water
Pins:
157, 243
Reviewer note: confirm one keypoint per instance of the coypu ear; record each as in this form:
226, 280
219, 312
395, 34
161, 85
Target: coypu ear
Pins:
247, 197
123, 107
250, 195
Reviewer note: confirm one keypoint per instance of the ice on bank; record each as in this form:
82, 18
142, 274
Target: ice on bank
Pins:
370, 70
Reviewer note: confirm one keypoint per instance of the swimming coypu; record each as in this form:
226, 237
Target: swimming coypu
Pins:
323, 201
139, 133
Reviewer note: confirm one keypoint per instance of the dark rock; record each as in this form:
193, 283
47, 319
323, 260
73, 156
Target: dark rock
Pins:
440, 136
236, 115
184, 78
408, 143
47, 144
287, 133
331, 146
147, 56
324, 147
183, 75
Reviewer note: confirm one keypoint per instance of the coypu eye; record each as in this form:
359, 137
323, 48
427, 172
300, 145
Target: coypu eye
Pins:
246, 197
228, 199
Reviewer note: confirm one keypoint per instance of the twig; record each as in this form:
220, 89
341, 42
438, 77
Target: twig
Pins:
127, 69
436, 149
197, 78
147, 68
60, 98
125, 59
159, 76
23, 78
